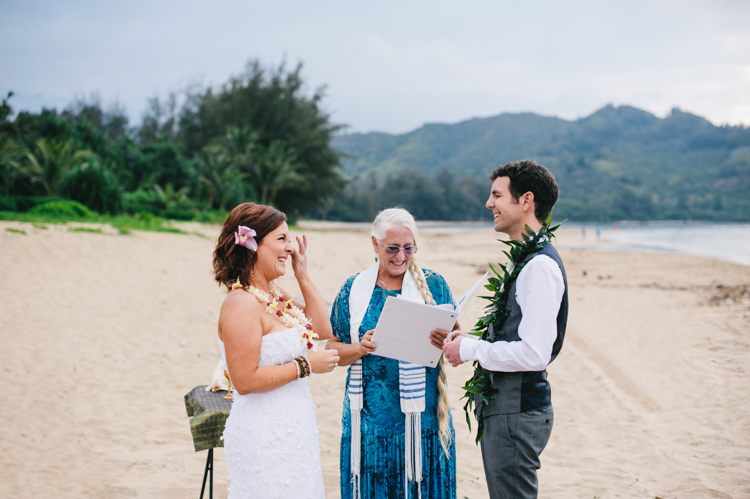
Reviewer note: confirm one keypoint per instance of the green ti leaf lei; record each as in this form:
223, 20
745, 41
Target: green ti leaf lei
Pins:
497, 312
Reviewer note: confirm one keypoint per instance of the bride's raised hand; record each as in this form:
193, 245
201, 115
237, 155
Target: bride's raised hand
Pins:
324, 361
299, 258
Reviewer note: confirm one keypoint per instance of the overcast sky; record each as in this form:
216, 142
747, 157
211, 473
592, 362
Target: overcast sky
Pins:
391, 66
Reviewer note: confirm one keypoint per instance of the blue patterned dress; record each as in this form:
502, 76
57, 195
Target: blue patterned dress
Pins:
382, 468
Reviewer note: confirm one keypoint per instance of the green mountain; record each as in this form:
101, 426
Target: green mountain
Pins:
618, 163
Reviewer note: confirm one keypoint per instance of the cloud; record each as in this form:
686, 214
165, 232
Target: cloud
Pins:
392, 66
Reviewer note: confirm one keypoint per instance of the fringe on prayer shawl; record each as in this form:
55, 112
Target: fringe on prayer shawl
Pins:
413, 453
355, 406
412, 380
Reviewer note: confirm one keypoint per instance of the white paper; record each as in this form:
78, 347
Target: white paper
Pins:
403, 331
467, 300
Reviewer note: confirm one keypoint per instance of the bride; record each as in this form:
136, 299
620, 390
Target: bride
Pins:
271, 436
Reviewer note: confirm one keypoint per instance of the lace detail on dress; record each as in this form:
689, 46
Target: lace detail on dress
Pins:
271, 439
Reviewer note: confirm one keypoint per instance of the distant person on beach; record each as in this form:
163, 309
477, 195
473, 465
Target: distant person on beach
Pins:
518, 419
397, 439
271, 435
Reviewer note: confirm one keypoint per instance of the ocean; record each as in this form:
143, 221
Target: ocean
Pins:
726, 241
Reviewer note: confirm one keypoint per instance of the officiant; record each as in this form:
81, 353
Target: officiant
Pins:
397, 429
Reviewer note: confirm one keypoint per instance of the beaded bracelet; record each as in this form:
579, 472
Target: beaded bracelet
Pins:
296, 364
309, 366
304, 366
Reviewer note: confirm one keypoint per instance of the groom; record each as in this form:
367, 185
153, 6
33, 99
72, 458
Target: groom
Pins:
518, 420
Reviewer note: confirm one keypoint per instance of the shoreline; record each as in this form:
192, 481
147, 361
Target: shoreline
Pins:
609, 237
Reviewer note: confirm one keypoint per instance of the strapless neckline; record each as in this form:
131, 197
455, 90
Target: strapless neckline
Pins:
276, 348
277, 332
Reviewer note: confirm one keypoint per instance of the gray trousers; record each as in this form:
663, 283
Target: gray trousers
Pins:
511, 446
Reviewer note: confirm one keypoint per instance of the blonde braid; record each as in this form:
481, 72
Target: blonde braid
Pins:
443, 404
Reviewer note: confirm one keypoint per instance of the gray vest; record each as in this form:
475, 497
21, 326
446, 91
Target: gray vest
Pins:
524, 391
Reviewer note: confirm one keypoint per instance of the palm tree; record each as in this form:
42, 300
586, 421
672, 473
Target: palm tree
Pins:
170, 197
12, 165
241, 145
275, 169
51, 159
219, 173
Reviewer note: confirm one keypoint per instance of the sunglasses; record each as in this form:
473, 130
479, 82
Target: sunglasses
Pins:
393, 250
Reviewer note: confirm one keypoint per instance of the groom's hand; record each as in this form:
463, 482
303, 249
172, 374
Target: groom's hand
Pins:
452, 347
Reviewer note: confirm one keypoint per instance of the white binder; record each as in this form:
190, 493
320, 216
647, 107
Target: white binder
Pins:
403, 331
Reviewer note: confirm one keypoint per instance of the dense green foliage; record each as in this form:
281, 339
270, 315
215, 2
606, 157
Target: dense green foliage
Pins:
62, 209
443, 197
284, 135
261, 138
257, 138
65, 211
93, 185
619, 163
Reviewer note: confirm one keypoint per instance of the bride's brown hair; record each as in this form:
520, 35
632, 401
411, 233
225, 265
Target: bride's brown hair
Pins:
232, 260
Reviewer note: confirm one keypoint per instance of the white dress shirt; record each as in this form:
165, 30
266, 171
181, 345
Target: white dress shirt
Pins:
539, 292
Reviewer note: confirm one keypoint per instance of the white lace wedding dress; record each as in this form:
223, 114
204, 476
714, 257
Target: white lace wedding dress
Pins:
271, 439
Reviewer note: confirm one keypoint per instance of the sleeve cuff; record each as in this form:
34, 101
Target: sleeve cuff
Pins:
467, 349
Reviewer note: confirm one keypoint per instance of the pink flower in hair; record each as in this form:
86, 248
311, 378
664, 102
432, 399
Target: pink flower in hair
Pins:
244, 237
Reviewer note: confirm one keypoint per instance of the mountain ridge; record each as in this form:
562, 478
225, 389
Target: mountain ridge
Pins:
617, 162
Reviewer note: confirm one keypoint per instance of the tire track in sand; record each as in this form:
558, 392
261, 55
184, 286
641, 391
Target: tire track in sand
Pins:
624, 389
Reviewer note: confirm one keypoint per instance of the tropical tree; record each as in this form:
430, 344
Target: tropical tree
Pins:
112, 122
275, 105
12, 165
241, 144
219, 175
51, 159
6, 111
159, 121
171, 197
94, 185
275, 169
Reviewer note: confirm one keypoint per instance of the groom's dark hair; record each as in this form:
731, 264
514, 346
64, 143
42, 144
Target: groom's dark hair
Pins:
529, 176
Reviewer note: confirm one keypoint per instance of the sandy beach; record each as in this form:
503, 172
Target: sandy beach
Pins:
101, 336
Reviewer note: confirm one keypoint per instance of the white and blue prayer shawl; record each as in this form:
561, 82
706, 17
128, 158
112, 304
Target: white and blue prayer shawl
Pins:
411, 380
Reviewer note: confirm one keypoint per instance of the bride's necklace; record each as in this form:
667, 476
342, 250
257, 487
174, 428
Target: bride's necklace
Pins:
290, 315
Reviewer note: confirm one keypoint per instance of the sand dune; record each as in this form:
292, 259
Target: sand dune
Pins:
101, 335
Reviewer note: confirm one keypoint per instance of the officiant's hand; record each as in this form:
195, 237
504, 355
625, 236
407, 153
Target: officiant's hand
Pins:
366, 346
437, 337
